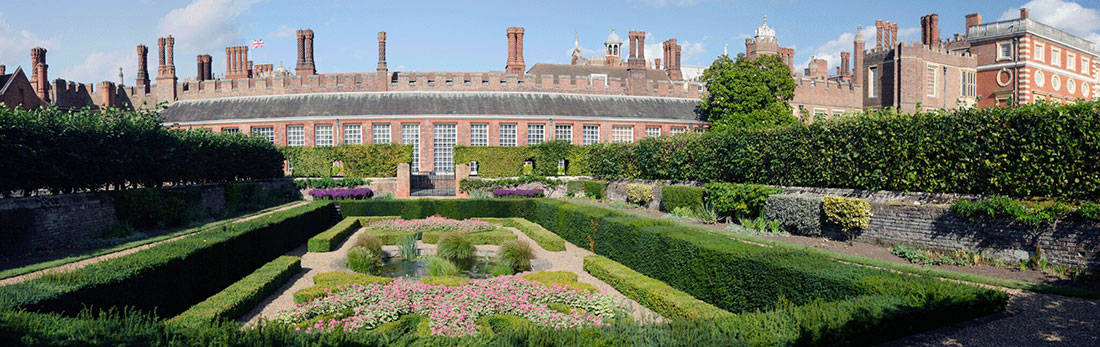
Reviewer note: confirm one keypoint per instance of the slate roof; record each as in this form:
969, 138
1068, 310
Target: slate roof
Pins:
324, 105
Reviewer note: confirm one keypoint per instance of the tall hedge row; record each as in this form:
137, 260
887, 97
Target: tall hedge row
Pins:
369, 160
497, 161
63, 151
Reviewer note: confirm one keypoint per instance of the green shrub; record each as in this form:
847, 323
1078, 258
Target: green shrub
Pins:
147, 208
173, 276
639, 194
573, 188
596, 190
328, 182
364, 260
239, 193
612, 160
544, 238
681, 196
739, 200
326, 282
329, 240
1030, 212
450, 281
656, 295
455, 246
517, 255
438, 266
549, 278
1089, 211
797, 215
240, 297
498, 269
407, 248
850, 214
494, 161
468, 185
368, 160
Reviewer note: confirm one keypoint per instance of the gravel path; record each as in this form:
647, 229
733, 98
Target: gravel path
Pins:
314, 263
82, 263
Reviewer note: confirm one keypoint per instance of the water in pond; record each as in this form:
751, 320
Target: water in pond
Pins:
397, 267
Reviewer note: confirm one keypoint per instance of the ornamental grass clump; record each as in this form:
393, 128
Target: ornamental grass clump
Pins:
438, 266
342, 193
363, 260
406, 248
433, 223
452, 311
456, 246
516, 255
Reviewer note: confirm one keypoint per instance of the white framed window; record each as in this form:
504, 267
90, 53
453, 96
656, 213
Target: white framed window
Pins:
410, 135
267, 132
1004, 50
295, 135
322, 135
1040, 50
1071, 86
872, 81
968, 84
930, 79
652, 131
590, 134
536, 133
444, 140
353, 134
622, 133
479, 134
1085, 66
563, 132
1055, 56
1040, 78
381, 132
676, 130
233, 130
820, 113
1056, 82
1071, 62
507, 134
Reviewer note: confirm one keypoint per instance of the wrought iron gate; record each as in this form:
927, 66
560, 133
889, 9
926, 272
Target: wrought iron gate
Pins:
432, 184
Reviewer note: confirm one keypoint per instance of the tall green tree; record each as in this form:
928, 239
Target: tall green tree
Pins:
748, 93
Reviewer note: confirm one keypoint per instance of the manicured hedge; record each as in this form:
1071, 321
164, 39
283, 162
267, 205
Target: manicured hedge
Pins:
799, 215
544, 238
171, 277
681, 196
595, 190
452, 208
242, 296
369, 160
327, 281
656, 295
65, 151
507, 161
330, 239
738, 200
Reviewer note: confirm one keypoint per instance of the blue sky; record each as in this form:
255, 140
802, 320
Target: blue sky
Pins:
89, 40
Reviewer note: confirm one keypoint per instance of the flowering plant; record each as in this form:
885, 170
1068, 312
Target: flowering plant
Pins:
342, 193
433, 223
453, 311
518, 193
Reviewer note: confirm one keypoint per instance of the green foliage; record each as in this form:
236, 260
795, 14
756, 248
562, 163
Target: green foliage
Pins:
517, 255
370, 242
572, 188
471, 184
654, 294
455, 246
406, 248
923, 257
849, 213
328, 182
550, 278
450, 281
495, 161
799, 215
640, 194
369, 160
240, 193
596, 190
1089, 211
748, 93
364, 260
240, 297
681, 196
612, 160
329, 240
544, 238
326, 282
438, 266
499, 269
761, 224
178, 273
1029, 212
739, 200
148, 208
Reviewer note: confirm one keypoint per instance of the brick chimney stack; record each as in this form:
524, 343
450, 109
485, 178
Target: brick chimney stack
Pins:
842, 70
1023, 13
672, 60
170, 64
160, 56
930, 30
858, 45
382, 52
657, 64
305, 64
886, 33
40, 77
143, 68
973, 19
166, 77
107, 95
200, 75
515, 63
637, 50
207, 69
3, 70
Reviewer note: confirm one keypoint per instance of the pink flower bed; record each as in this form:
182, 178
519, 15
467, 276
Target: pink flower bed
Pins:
453, 311
433, 223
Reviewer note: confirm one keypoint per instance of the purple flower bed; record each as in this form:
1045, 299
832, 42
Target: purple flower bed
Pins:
518, 193
342, 193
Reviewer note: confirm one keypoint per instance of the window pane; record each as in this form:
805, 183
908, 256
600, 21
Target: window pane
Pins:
353, 134
382, 133
410, 135
622, 133
591, 134
507, 134
652, 131
479, 134
231, 130
322, 135
536, 134
677, 131
444, 141
563, 132
264, 132
295, 135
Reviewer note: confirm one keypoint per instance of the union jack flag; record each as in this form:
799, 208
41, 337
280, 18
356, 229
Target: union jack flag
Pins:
257, 43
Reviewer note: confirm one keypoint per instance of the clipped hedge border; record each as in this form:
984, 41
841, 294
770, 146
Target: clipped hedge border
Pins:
544, 238
329, 240
681, 196
325, 282
242, 296
173, 276
656, 295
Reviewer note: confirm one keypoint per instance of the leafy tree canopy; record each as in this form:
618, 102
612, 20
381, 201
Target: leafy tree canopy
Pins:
748, 93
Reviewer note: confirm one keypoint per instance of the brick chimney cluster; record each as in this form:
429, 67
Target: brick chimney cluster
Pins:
305, 64
843, 70
237, 64
204, 72
672, 60
143, 68
930, 30
515, 63
886, 33
166, 70
637, 49
39, 76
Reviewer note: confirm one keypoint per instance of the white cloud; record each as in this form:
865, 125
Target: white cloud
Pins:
1066, 15
15, 45
663, 3
103, 66
284, 31
205, 25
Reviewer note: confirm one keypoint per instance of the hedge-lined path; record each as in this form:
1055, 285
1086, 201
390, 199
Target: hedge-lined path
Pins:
82, 263
313, 263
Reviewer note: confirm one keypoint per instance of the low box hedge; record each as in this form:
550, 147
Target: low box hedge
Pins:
329, 240
681, 196
242, 296
171, 277
544, 238
798, 215
328, 281
656, 295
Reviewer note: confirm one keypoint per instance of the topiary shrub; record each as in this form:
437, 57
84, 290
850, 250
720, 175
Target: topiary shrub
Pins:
639, 194
363, 260
517, 255
851, 214
799, 215
681, 196
739, 200
456, 246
